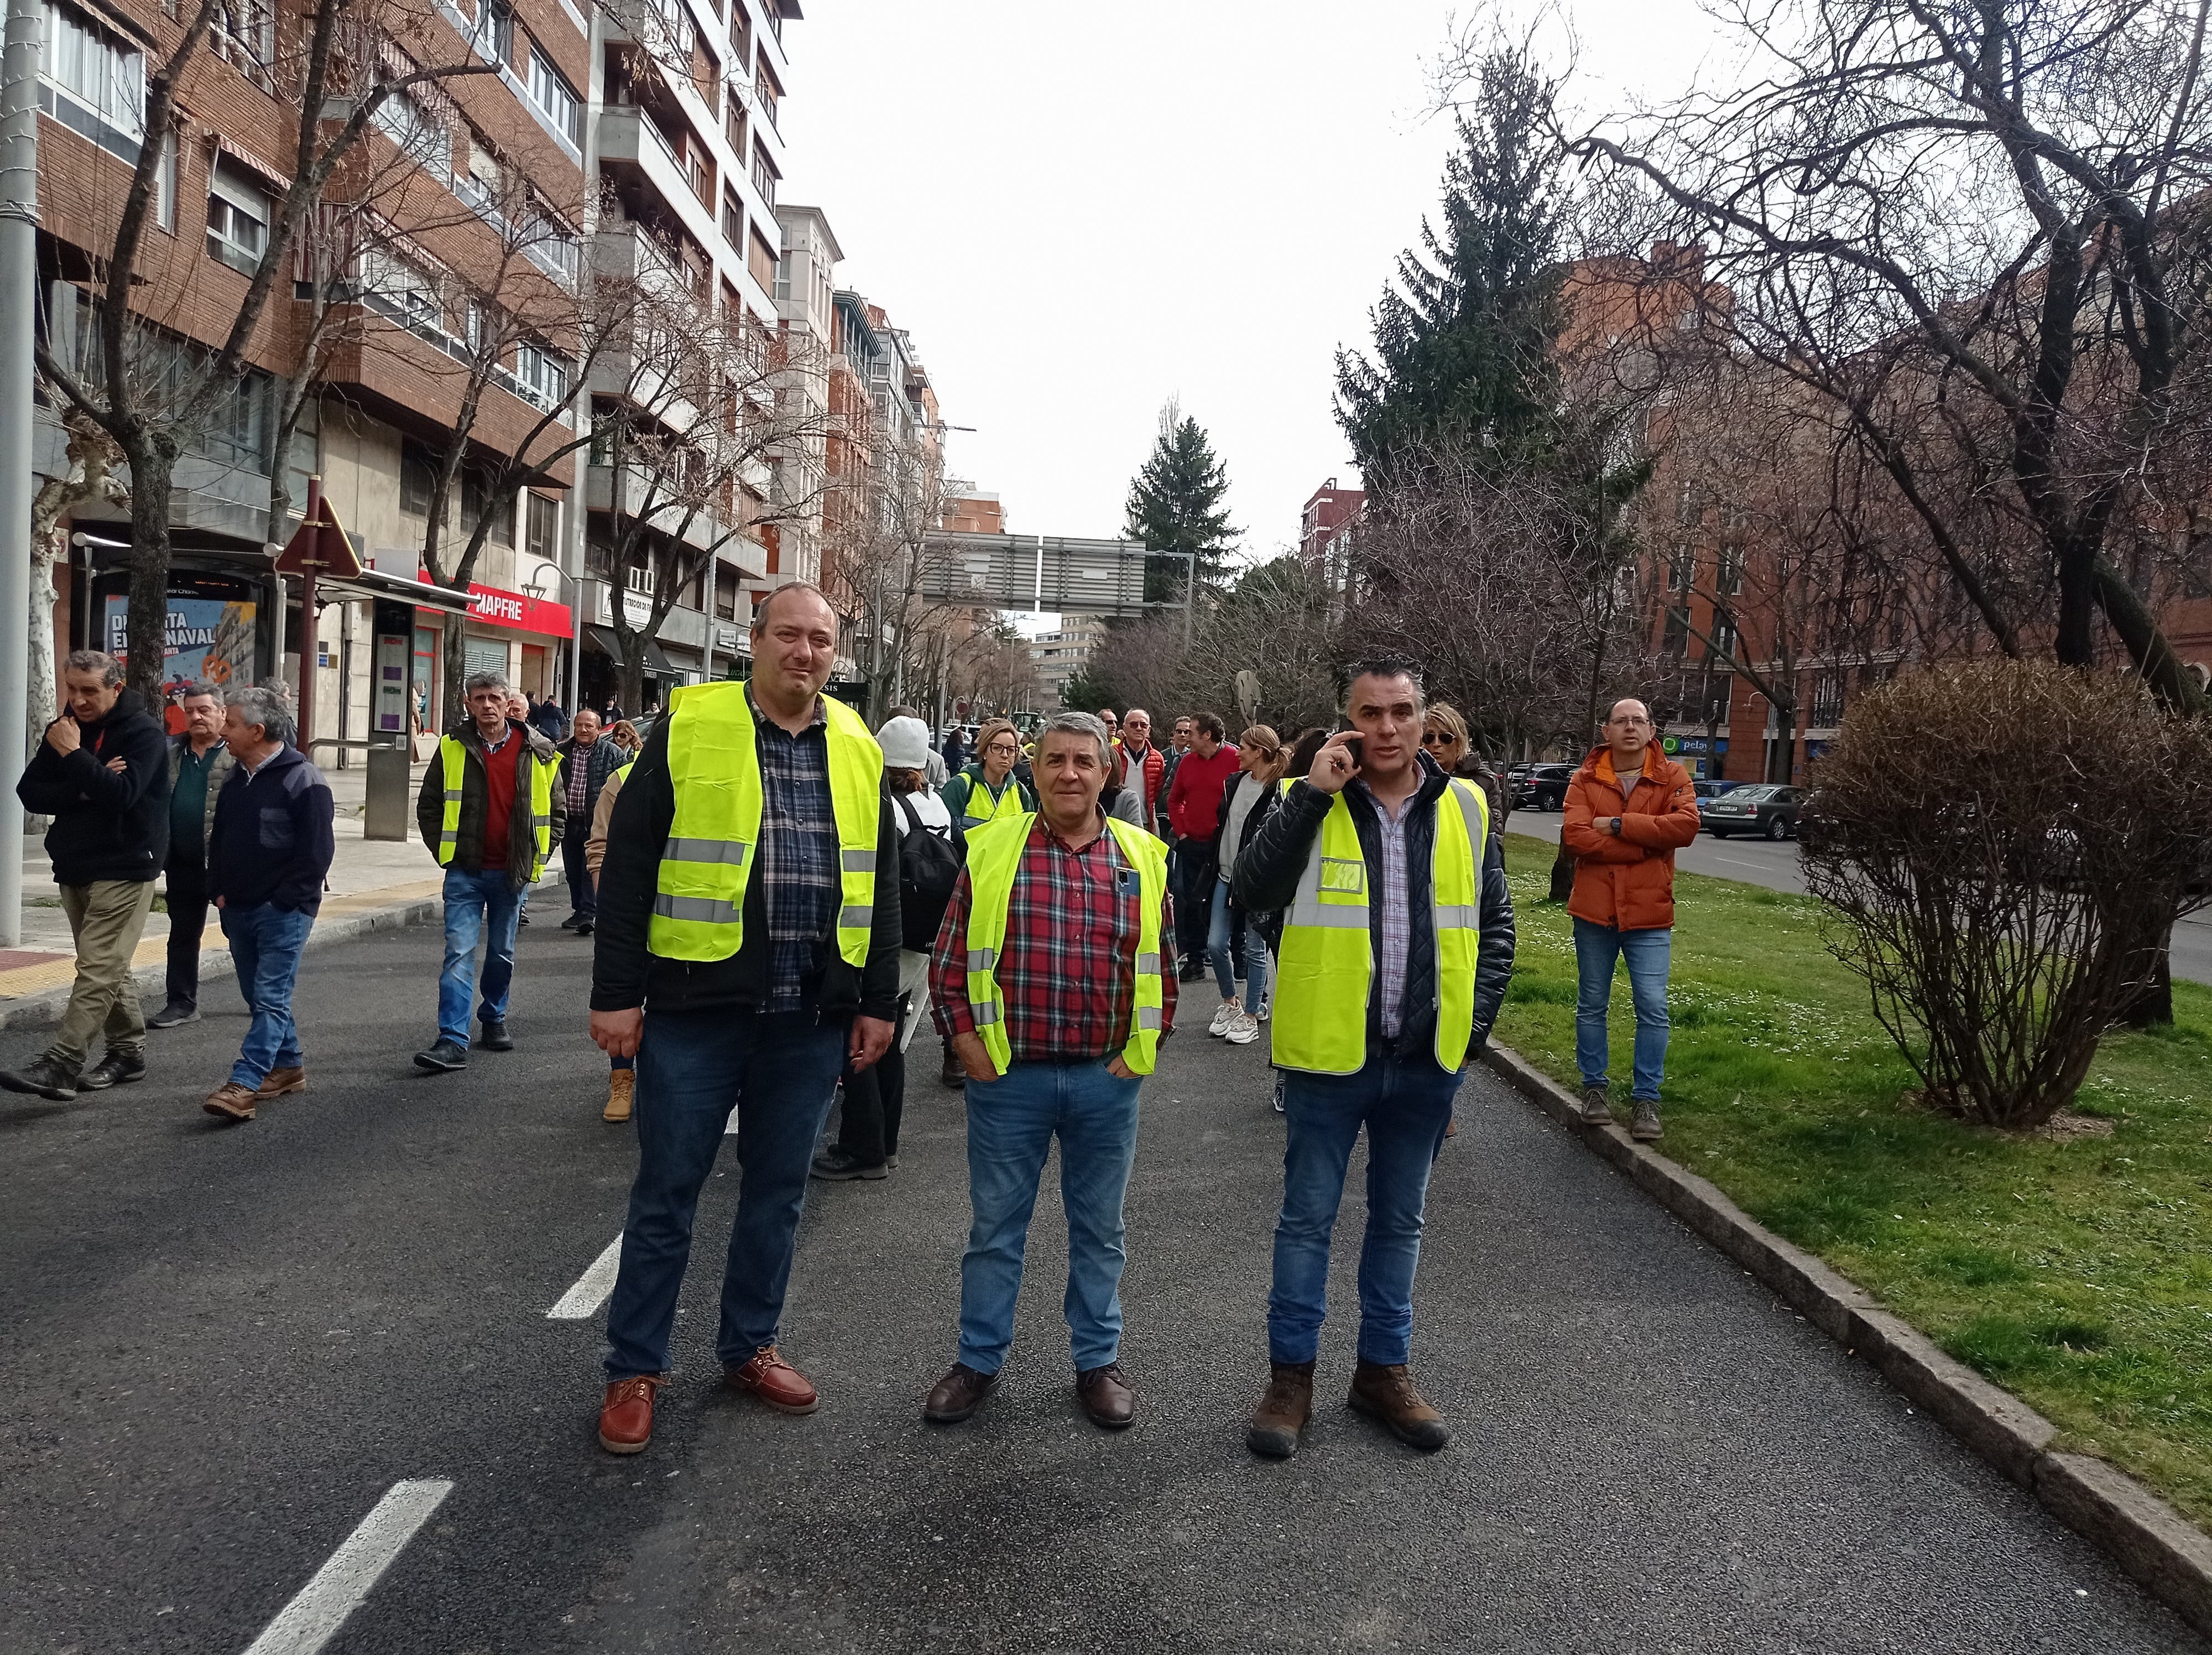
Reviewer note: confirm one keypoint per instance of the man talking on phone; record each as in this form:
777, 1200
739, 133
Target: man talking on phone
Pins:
1396, 948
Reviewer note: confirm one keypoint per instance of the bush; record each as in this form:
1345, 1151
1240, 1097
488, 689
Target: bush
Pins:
2005, 845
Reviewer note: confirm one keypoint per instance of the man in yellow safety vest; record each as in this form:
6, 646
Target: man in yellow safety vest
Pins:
1397, 945
747, 948
1046, 982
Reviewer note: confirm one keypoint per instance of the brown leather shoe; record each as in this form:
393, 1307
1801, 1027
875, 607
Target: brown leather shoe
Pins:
1107, 1397
1387, 1394
1280, 1419
775, 1382
232, 1101
279, 1083
958, 1395
620, 1084
626, 1415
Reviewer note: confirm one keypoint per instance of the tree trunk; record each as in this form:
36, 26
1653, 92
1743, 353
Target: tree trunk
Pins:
1563, 875
151, 469
2152, 1008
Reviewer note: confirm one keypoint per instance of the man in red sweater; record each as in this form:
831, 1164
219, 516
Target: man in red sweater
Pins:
1194, 816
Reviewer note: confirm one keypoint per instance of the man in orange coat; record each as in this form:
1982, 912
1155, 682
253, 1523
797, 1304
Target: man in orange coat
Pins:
1629, 809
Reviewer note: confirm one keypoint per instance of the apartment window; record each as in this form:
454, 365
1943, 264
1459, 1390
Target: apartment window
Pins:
765, 174
541, 528
1729, 580
495, 31
1828, 699
765, 87
545, 376
396, 288
734, 123
783, 278
476, 505
556, 249
741, 41
417, 133
92, 83
236, 430
761, 258
1681, 569
732, 305
733, 219
246, 33
553, 95
165, 187
238, 212
1724, 637
1678, 632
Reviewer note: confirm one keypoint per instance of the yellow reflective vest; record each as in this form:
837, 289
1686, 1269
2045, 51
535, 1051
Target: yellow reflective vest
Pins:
455, 756
713, 771
980, 808
994, 854
1326, 968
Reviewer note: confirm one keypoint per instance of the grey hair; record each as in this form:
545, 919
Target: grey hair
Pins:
201, 687
95, 661
1074, 723
266, 705
1385, 668
477, 681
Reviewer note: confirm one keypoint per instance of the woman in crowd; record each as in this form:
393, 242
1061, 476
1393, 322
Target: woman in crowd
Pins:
988, 788
625, 736
1262, 762
1444, 739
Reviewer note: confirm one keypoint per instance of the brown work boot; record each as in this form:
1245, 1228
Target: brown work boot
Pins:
1387, 1394
1281, 1417
958, 1395
1107, 1396
775, 1382
232, 1101
626, 1415
279, 1083
620, 1084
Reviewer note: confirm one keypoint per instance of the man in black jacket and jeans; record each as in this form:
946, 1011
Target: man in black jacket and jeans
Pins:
102, 773
754, 999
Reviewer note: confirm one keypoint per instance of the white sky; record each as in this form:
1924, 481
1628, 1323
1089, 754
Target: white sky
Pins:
1080, 212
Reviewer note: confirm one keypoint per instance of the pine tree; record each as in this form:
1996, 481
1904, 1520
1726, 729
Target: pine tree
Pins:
1174, 506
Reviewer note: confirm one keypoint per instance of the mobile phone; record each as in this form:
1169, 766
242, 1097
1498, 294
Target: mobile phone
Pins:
1357, 746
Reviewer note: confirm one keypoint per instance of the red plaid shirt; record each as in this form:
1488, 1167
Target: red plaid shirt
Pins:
1067, 971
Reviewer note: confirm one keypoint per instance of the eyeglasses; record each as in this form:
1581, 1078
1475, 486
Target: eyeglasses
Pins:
1439, 738
1002, 748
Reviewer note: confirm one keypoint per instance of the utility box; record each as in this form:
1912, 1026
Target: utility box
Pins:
389, 806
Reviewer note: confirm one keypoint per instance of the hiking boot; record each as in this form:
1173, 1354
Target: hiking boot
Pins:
493, 1036
444, 1057
1387, 1394
626, 1415
232, 1101
43, 1077
957, 1394
282, 1083
775, 1382
620, 1086
115, 1068
176, 1012
1597, 1107
1106, 1396
1646, 1129
1280, 1419
843, 1165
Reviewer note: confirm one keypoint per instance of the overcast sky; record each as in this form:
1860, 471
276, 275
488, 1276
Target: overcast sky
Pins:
1081, 212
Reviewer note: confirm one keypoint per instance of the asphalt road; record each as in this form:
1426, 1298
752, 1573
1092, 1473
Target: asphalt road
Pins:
1758, 861
227, 1343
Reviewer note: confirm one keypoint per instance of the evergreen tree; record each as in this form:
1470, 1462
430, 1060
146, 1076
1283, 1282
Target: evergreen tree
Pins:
1464, 341
1174, 506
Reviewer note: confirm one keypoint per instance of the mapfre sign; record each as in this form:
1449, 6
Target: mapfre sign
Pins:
494, 607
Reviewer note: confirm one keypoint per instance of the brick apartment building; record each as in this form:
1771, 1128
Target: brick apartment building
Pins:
1326, 525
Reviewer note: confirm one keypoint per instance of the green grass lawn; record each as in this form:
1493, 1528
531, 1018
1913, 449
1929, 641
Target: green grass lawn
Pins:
2076, 1272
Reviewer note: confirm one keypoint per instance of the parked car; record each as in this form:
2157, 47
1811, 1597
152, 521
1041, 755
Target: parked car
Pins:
1764, 807
1543, 788
1715, 789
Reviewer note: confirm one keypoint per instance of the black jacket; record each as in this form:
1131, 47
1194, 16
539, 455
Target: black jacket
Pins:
1269, 866
272, 841
468, 847
107, 825
625, 974
601, 759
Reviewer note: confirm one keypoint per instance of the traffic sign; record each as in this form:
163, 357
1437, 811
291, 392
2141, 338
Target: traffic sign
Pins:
320, 546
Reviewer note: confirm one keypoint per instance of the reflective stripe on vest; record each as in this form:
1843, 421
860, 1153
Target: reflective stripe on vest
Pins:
455, 757
995, 856
707, 862
1325, 973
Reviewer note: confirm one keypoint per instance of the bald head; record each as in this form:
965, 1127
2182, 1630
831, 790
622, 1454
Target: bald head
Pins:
1628, 732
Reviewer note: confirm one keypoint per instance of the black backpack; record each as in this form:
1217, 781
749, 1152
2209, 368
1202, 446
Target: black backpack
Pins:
929, 866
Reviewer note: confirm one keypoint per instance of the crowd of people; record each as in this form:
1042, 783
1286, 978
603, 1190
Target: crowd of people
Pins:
777, 896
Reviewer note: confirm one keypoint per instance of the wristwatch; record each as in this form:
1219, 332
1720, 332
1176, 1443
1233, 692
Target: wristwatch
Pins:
1616, 827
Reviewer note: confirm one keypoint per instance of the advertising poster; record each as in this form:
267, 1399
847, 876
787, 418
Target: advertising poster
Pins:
209, 637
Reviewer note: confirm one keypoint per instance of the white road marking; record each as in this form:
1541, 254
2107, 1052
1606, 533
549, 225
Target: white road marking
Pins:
1738, 862
592, 1287
313, 1619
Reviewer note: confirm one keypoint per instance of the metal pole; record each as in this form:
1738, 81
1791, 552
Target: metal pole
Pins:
19, 289
1189, 592
311, 630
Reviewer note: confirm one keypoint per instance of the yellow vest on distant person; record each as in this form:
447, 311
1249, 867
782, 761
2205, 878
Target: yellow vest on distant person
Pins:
455, 756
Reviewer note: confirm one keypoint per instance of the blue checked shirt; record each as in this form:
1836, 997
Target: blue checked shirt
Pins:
799, 860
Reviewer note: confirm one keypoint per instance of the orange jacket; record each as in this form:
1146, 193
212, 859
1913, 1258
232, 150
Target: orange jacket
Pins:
1627, 881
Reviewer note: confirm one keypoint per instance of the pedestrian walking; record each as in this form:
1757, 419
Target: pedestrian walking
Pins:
931, 852
1143, 766
102, 773
748, 947
1193, 813
489, 808
1047, 981
1112, 725
200, 762
934, 774
268, 855
587, 758
1246, 798
622, 1067
1628, 808
988, 788
1178, 745
1397, 946
955, 752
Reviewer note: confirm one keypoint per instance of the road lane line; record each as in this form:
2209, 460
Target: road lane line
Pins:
313, 1619
592, 1287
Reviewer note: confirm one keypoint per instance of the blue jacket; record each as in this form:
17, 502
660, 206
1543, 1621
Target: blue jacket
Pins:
272, 841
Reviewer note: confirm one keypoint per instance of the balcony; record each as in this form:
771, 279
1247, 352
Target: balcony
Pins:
630, 143
736, 549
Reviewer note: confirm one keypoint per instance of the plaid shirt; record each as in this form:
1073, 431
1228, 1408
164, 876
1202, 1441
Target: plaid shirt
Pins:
798, 863
1395, 925
1068, 972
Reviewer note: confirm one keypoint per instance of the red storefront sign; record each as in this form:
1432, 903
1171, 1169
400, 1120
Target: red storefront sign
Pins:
494, 607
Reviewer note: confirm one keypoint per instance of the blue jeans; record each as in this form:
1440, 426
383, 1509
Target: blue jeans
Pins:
265, 941
1010, 1122
780, 1069
583, 891
1218, 951
1597, 947
476, 905
1404, 1107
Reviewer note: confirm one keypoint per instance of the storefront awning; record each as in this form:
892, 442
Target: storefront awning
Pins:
602, 638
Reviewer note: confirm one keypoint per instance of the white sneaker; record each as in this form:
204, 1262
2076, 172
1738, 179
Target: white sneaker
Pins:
1243, 1029
1268, 1006
1229, 1013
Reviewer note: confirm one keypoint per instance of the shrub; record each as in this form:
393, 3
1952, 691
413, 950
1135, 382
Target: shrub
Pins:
2003, 846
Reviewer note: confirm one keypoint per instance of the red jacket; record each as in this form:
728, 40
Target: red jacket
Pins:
1148, 782
1627, 881
1195, 796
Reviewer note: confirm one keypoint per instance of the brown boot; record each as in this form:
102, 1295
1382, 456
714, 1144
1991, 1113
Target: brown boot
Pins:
232, 1101
1387, 1394
620, 1082
1281, 1417
279, 1083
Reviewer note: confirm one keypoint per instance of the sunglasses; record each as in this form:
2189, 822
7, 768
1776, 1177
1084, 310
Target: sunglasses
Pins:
1439, 738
